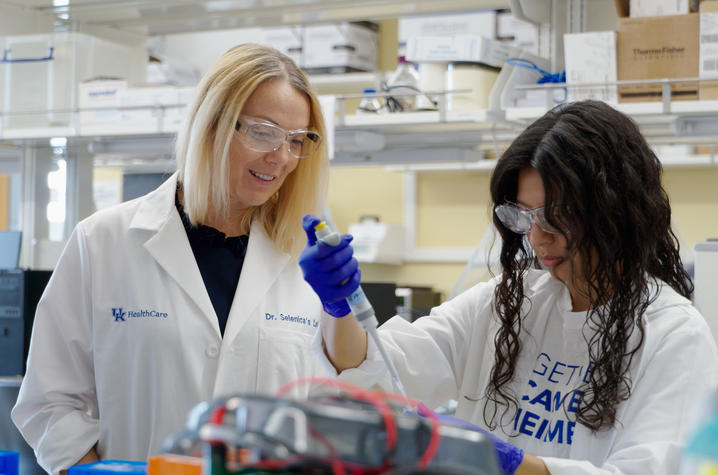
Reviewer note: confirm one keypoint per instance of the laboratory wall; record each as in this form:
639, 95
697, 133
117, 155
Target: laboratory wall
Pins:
4, 200
454, 208
452, 211
694, 200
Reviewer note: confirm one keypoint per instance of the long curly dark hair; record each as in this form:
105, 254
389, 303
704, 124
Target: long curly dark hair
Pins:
605, 181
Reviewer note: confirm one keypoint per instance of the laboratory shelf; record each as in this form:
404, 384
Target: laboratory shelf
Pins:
37, 133
635, 109
390, 119
417, 137
423, 121
346, 82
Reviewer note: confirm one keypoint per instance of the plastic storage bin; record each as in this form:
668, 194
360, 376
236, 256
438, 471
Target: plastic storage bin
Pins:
39, 77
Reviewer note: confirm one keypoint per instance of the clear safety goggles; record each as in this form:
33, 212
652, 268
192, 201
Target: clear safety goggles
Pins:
520, 220
262, 136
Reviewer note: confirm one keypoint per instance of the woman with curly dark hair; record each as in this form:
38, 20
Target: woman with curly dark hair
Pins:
585, 355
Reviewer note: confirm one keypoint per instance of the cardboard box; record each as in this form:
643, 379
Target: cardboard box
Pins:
658, 48
341, 47
623, 7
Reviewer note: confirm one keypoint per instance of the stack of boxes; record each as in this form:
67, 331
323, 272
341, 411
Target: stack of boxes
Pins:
663, 45
328, 48
116, 107
40, 72
656, 39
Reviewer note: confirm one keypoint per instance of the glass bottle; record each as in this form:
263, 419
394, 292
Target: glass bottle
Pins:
369, 104
402, 87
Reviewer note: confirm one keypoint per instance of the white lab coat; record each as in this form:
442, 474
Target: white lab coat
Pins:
449, 355
126, 340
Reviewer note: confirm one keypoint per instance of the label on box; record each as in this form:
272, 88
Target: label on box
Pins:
470, 48
98, 94
708, 66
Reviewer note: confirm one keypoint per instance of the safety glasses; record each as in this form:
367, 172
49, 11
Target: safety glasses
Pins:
262, 136
520, 220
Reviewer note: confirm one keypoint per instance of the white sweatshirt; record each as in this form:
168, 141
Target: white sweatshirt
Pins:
449, 355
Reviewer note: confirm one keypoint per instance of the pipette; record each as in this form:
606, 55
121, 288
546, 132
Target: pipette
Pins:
360, 306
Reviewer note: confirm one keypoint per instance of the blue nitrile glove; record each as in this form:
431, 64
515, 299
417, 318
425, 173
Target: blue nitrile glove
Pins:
332, 271
509, 456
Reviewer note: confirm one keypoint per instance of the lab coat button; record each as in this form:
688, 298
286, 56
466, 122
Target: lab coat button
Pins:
212, 351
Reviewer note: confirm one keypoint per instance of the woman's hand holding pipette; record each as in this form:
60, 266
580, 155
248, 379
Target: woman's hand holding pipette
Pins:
332, 271
326, 268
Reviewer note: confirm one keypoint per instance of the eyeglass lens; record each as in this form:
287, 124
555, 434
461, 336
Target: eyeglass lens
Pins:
268, 138
520, 220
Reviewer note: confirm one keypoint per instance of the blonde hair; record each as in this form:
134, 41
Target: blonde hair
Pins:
202, 148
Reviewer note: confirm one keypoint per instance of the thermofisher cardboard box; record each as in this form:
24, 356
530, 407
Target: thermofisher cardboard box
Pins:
657, 48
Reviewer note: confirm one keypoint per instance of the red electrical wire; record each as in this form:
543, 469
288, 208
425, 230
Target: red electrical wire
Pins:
434, 441
337, 467
377, 399
217, 415
359, 393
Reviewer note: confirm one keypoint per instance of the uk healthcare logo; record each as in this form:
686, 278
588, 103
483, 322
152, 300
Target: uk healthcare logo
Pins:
120, 315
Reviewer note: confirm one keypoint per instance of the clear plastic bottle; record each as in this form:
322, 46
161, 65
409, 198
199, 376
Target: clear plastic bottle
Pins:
405, 80
369, 104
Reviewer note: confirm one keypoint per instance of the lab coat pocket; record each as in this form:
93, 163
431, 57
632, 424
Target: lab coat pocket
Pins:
285, 356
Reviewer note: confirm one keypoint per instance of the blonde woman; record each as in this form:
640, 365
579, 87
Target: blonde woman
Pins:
192, 291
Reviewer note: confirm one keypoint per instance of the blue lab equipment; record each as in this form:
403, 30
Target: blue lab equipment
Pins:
9, 462
108, 467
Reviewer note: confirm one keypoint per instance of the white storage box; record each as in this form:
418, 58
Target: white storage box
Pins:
174, 116
97, 101
518, 33
377, 243
40, 75
475, 23
591, 58
460, 48
340, 47
130, 109
100, 94
287, 39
